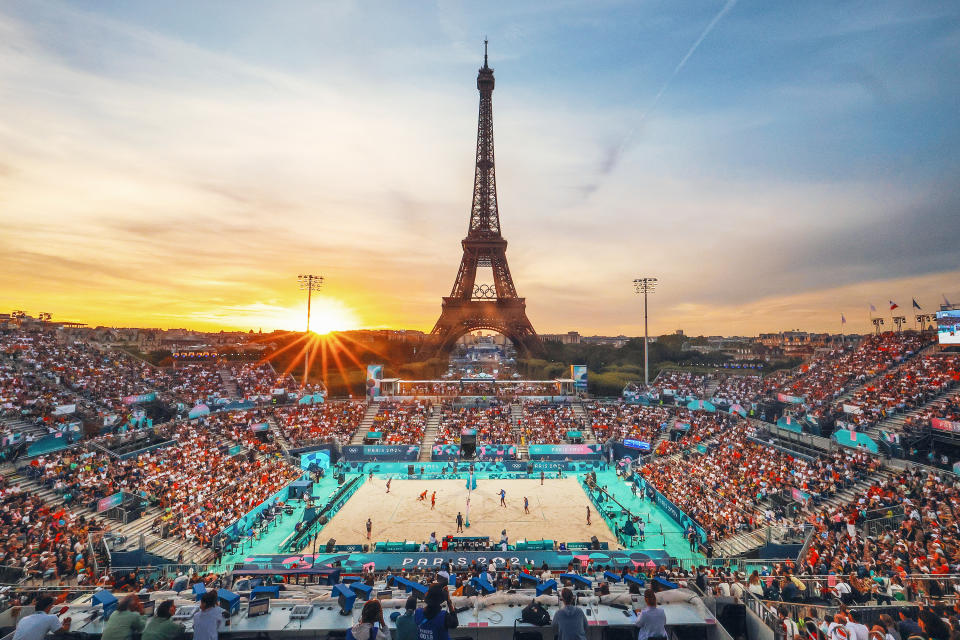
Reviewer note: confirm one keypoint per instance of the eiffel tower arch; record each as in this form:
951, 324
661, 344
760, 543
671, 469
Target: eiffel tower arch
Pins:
472, 306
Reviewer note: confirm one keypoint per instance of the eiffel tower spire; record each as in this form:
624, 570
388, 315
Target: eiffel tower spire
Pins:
469, 306
484, 216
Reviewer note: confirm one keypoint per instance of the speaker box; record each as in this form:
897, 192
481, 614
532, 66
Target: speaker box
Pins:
594, 543
323, 519
529, 468
409, 469
468, 445
108, 600
331, 543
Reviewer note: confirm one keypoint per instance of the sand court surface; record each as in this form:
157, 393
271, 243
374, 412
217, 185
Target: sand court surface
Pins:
558, 511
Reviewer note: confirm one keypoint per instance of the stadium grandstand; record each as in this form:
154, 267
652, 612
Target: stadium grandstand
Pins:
827, 490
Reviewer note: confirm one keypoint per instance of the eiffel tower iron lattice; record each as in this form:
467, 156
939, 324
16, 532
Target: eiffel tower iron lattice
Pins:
471, 306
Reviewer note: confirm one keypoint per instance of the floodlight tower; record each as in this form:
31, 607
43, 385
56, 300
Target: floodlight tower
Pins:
645, 286
311, 283
899, 320
878, 322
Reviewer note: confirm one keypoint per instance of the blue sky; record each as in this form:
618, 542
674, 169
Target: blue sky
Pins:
803, 161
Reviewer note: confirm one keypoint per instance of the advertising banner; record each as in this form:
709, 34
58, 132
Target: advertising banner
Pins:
262, 426
852, 408
235, 449
783, 397
799, 496
382, 452
448, 452
578, 372
553, 559
945, 425
562, 451
637, 444
109, 502
374, 376
143, 397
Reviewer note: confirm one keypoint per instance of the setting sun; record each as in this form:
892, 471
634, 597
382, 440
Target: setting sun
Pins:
326, 315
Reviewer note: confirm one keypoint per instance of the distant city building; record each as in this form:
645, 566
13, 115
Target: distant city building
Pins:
570, 337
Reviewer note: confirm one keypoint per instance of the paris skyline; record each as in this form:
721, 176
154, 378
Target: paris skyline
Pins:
773, 168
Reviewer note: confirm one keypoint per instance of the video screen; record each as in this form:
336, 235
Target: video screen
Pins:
948, 326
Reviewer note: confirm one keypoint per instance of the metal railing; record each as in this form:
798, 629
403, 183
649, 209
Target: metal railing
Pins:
877, 526
819, 591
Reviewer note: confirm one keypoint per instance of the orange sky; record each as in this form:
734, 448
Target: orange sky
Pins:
153, 178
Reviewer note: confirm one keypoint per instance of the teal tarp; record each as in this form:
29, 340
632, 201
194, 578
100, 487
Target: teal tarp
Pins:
199, 410
790, 424
702, 404
854, 440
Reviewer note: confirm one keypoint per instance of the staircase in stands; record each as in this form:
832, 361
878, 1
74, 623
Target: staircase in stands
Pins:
586, 422
28, 429
229, 383
168, 548
711, 387
516, 412
894, 423
368, 415
278, 436
663, 434
429, 435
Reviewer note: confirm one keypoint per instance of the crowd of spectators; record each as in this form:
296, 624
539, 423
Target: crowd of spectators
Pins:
42, 541
493, 423
33, 397
898, 390
925, 541
408, 388
621, 420
200, 488
679, 384
195, 382
402, 422
545, 422
743, 390
238, 426
257, 381
946, 409
693, 427
309, 424
725, 489
100, 377
830, 375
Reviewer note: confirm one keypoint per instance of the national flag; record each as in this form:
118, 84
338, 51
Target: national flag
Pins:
842, 319
893, 305
872, 308
915, 305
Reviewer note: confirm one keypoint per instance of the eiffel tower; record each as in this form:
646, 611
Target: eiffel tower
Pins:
471, 306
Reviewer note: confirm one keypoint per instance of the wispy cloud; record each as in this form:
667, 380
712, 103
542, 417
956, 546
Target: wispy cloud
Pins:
155, 170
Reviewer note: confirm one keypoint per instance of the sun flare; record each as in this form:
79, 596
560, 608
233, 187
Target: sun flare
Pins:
326, 315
